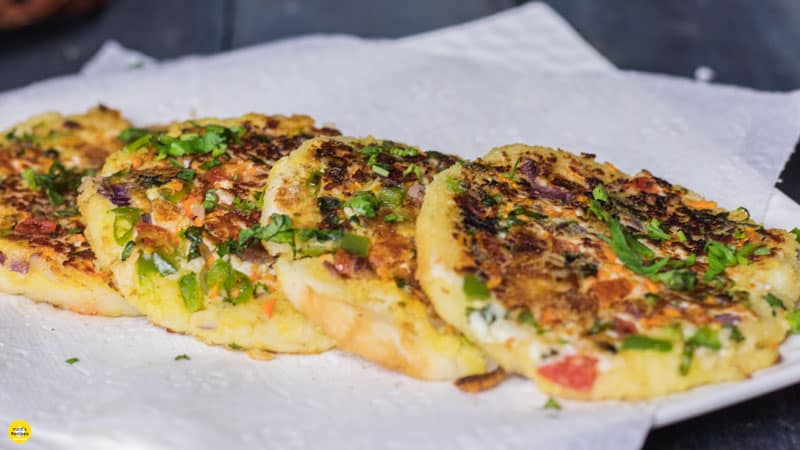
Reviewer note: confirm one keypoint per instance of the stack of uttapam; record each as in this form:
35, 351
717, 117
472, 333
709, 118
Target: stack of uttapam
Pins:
269, 233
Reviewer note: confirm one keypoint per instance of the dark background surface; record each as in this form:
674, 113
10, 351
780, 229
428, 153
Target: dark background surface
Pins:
754, 43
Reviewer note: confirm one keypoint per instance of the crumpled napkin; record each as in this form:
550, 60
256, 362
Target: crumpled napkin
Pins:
129, 392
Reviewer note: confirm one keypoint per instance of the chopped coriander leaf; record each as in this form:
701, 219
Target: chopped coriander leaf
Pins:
677, 279
277, 230
132, 134
355, 245
243, 205
72, 360
380, 170
794, 321
234, 346
184, 357
705, 336
654, 230
651, 299
210, 200
230, 247
526, 317
475, 288
681, 236
599, 193
640, 342
774, 302
394, 218
455, 185
734, 333
69, 230
363, 204
210, 164
796, 232
56, 182
186, 174
552, 403
195, 237
328, 204
127, 250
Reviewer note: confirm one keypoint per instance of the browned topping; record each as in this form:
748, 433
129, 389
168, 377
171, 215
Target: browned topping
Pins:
544, 248
33, 227
481, 382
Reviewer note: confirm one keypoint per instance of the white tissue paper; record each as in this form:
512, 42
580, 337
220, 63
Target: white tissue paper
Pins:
128, 392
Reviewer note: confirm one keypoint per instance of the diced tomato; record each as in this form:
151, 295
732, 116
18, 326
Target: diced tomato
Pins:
575, 372
32, 226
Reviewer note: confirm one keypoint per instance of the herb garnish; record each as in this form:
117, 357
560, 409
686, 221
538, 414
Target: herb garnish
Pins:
552, 403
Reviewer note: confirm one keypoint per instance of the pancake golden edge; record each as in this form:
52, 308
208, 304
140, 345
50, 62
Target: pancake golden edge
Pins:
44, 253
367, 313
571, 366
250, 315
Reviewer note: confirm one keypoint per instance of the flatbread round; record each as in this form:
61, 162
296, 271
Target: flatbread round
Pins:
43, 253
342, 213
170, 216
601, 285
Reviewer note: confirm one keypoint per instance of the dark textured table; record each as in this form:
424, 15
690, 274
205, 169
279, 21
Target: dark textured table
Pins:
746, 42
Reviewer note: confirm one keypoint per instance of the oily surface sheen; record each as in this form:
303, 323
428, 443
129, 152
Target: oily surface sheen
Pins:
347, 209
577, 273
43, 252
173, 215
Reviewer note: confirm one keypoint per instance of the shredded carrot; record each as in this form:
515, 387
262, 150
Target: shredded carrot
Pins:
701, 204
651, 287
136, 162
254, 274
213, 291
197, 222
269, 306
188, 203
608, 253
672, 312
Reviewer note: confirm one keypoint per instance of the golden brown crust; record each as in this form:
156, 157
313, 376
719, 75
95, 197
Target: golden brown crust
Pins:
578, 287
363, 292
42, 162
188, 194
